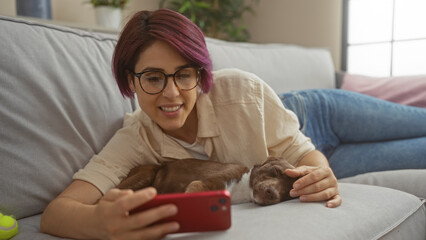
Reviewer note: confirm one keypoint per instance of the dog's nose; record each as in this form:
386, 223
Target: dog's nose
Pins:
271, 194
266, 195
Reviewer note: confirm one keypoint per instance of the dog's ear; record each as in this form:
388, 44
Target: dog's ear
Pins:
281, 165
139, 177
280, 169
286, 164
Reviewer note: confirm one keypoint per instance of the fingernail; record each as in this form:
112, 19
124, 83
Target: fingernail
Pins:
293, 193
150, 192
173, 210
174, 227
302, 198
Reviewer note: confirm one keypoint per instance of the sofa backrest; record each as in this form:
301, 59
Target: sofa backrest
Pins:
284, 67
59, 105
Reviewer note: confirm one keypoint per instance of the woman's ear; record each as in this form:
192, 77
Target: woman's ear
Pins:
130, 79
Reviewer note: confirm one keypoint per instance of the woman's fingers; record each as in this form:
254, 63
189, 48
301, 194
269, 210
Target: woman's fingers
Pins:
157, 231
323, 195
142, 219
114, 210
299, 171
310, 189
334, 201
313, 175
124, 204
315, 184
115, 193
150, 216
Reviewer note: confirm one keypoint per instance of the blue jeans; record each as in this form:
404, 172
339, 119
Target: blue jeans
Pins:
358, 133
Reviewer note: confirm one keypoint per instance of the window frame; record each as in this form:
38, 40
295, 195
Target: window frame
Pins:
345, 35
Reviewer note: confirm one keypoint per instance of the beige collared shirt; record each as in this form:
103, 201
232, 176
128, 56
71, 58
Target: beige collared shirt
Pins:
241, 120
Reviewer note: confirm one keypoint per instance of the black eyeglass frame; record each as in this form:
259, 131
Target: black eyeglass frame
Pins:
166, 77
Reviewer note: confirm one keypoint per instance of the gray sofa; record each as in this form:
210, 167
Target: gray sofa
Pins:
59, 105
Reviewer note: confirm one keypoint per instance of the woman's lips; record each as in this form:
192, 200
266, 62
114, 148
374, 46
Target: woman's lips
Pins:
170, 108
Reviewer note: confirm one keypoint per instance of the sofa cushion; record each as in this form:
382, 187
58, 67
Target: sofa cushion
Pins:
367, 212
59, 106
407, 180
283, 67
408, 90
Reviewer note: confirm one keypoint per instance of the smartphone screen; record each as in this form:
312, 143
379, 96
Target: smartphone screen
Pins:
197, 212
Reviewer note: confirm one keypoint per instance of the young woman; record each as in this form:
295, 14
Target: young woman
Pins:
161, 57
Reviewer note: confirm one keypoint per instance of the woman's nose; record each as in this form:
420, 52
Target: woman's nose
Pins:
171, 90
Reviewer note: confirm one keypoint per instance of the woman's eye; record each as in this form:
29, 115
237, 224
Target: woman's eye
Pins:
153, 79
183, 76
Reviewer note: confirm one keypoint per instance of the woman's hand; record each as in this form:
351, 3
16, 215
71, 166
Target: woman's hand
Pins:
112, 213
315, 184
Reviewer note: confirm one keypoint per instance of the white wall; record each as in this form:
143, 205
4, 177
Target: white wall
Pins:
311, 23
78, 11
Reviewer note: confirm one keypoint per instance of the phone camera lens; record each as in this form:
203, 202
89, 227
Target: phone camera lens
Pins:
222, 200
214, 208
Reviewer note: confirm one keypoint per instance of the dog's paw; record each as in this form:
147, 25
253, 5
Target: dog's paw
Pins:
195, 186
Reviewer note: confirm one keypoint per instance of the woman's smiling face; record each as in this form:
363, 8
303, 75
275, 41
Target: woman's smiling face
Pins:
172, 109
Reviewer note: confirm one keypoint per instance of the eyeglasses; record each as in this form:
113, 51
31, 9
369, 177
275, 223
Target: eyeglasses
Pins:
154, 81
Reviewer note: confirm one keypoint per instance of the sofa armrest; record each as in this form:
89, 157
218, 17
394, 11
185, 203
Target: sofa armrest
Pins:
339, 75
407, 90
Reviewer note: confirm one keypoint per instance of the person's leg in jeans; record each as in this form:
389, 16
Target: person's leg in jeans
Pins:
359, 133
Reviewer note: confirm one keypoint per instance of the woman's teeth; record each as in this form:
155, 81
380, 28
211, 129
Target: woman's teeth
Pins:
170, 109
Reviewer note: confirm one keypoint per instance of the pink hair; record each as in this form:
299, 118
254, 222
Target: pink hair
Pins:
144, 28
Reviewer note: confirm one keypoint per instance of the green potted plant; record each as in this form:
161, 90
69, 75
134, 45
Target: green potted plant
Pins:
109, 3
108, 12
217, 18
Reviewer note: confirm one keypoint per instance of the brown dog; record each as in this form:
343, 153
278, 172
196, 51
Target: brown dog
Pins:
265, 183
186, 175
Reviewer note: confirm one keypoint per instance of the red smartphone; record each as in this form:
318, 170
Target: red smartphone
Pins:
197, 212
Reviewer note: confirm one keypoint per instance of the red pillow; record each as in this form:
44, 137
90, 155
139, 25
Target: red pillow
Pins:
408, 90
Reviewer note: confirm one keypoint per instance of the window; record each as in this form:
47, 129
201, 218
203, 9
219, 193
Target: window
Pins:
384, 37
